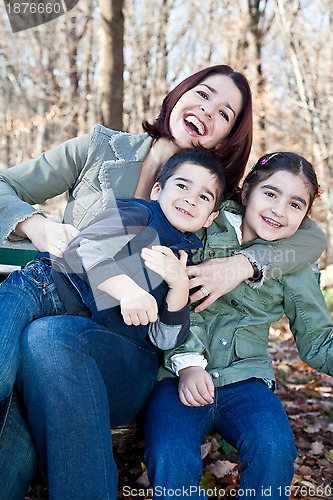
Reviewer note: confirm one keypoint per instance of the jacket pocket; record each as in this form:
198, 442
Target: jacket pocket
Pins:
248, 345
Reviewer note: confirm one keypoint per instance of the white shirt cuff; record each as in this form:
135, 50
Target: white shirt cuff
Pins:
180, 361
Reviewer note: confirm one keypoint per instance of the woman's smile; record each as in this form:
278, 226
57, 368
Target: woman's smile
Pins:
204, 115
194, 125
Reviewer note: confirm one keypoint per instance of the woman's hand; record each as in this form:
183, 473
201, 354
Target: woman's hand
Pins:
46, 234
195, 386
217, 277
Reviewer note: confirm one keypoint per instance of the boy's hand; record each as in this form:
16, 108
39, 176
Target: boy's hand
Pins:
138, 307
195, 386
164, 262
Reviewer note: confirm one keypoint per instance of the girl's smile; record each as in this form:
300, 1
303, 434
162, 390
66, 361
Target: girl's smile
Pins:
276, 207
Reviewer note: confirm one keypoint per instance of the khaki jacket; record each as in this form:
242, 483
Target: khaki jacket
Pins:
233, 332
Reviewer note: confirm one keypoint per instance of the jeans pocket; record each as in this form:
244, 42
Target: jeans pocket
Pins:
39, 273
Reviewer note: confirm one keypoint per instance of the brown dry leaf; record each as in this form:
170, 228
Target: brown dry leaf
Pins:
221, 468
311, 429
316, 448
205, 449
329, 456
143, 480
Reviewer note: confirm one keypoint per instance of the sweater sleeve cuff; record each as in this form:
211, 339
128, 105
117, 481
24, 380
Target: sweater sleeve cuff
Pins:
174, 317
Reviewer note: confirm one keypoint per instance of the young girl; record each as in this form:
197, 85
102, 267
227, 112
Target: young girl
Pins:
225, 378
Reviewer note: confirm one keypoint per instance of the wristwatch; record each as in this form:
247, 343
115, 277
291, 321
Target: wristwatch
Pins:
257, 273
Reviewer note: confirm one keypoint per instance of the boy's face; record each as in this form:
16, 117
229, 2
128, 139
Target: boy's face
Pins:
188, 197
276, 207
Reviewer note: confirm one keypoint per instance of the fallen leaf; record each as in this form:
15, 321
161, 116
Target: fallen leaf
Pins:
205, 449
316, 448
329, 456
221, 468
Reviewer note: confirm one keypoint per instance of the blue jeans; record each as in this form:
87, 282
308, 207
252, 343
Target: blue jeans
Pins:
247, 414
24, 296
78, 379
17, 453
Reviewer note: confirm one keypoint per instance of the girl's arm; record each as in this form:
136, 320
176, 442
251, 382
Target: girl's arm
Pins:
195, 387
188, 362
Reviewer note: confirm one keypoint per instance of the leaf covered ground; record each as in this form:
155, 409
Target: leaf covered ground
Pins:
308, 399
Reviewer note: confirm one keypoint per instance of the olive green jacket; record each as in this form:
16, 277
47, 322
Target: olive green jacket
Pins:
232, 333
106, 164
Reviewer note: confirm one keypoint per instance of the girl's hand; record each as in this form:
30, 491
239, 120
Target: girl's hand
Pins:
164, 262
195, 386
218, 277
46, 234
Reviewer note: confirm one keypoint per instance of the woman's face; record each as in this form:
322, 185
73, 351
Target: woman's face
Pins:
205, 114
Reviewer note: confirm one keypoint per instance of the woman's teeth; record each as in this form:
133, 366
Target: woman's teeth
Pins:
195, 124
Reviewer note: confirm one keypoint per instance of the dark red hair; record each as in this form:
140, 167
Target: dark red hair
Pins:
235, 150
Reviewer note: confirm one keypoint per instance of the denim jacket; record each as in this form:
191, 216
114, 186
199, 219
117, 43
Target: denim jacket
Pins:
232, 333
106, 164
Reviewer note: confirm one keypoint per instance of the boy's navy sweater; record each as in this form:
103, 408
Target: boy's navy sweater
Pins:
111, 245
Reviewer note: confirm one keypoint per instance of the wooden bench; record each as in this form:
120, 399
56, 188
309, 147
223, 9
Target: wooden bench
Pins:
12, 258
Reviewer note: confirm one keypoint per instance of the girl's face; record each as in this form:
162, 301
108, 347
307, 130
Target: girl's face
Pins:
275, 207
205, 114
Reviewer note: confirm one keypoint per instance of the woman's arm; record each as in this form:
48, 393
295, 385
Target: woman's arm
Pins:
291, 254
220, 276
35, 181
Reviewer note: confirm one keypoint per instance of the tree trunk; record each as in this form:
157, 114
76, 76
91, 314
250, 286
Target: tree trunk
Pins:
112, 62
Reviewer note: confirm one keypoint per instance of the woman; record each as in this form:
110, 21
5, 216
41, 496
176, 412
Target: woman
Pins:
77, 376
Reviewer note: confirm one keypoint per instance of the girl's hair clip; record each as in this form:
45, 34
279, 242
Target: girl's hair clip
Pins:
264, 160
319, 191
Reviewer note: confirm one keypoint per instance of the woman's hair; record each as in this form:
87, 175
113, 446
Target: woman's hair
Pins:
235, 150
267, 165
202, 158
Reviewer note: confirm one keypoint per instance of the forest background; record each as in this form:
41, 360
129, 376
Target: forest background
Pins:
113, 61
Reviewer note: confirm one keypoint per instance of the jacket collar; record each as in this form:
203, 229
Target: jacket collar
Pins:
129, 147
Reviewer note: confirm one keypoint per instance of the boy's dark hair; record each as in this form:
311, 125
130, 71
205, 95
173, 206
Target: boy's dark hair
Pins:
202, 158
268, 164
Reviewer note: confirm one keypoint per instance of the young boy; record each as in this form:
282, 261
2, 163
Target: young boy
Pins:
102, 273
